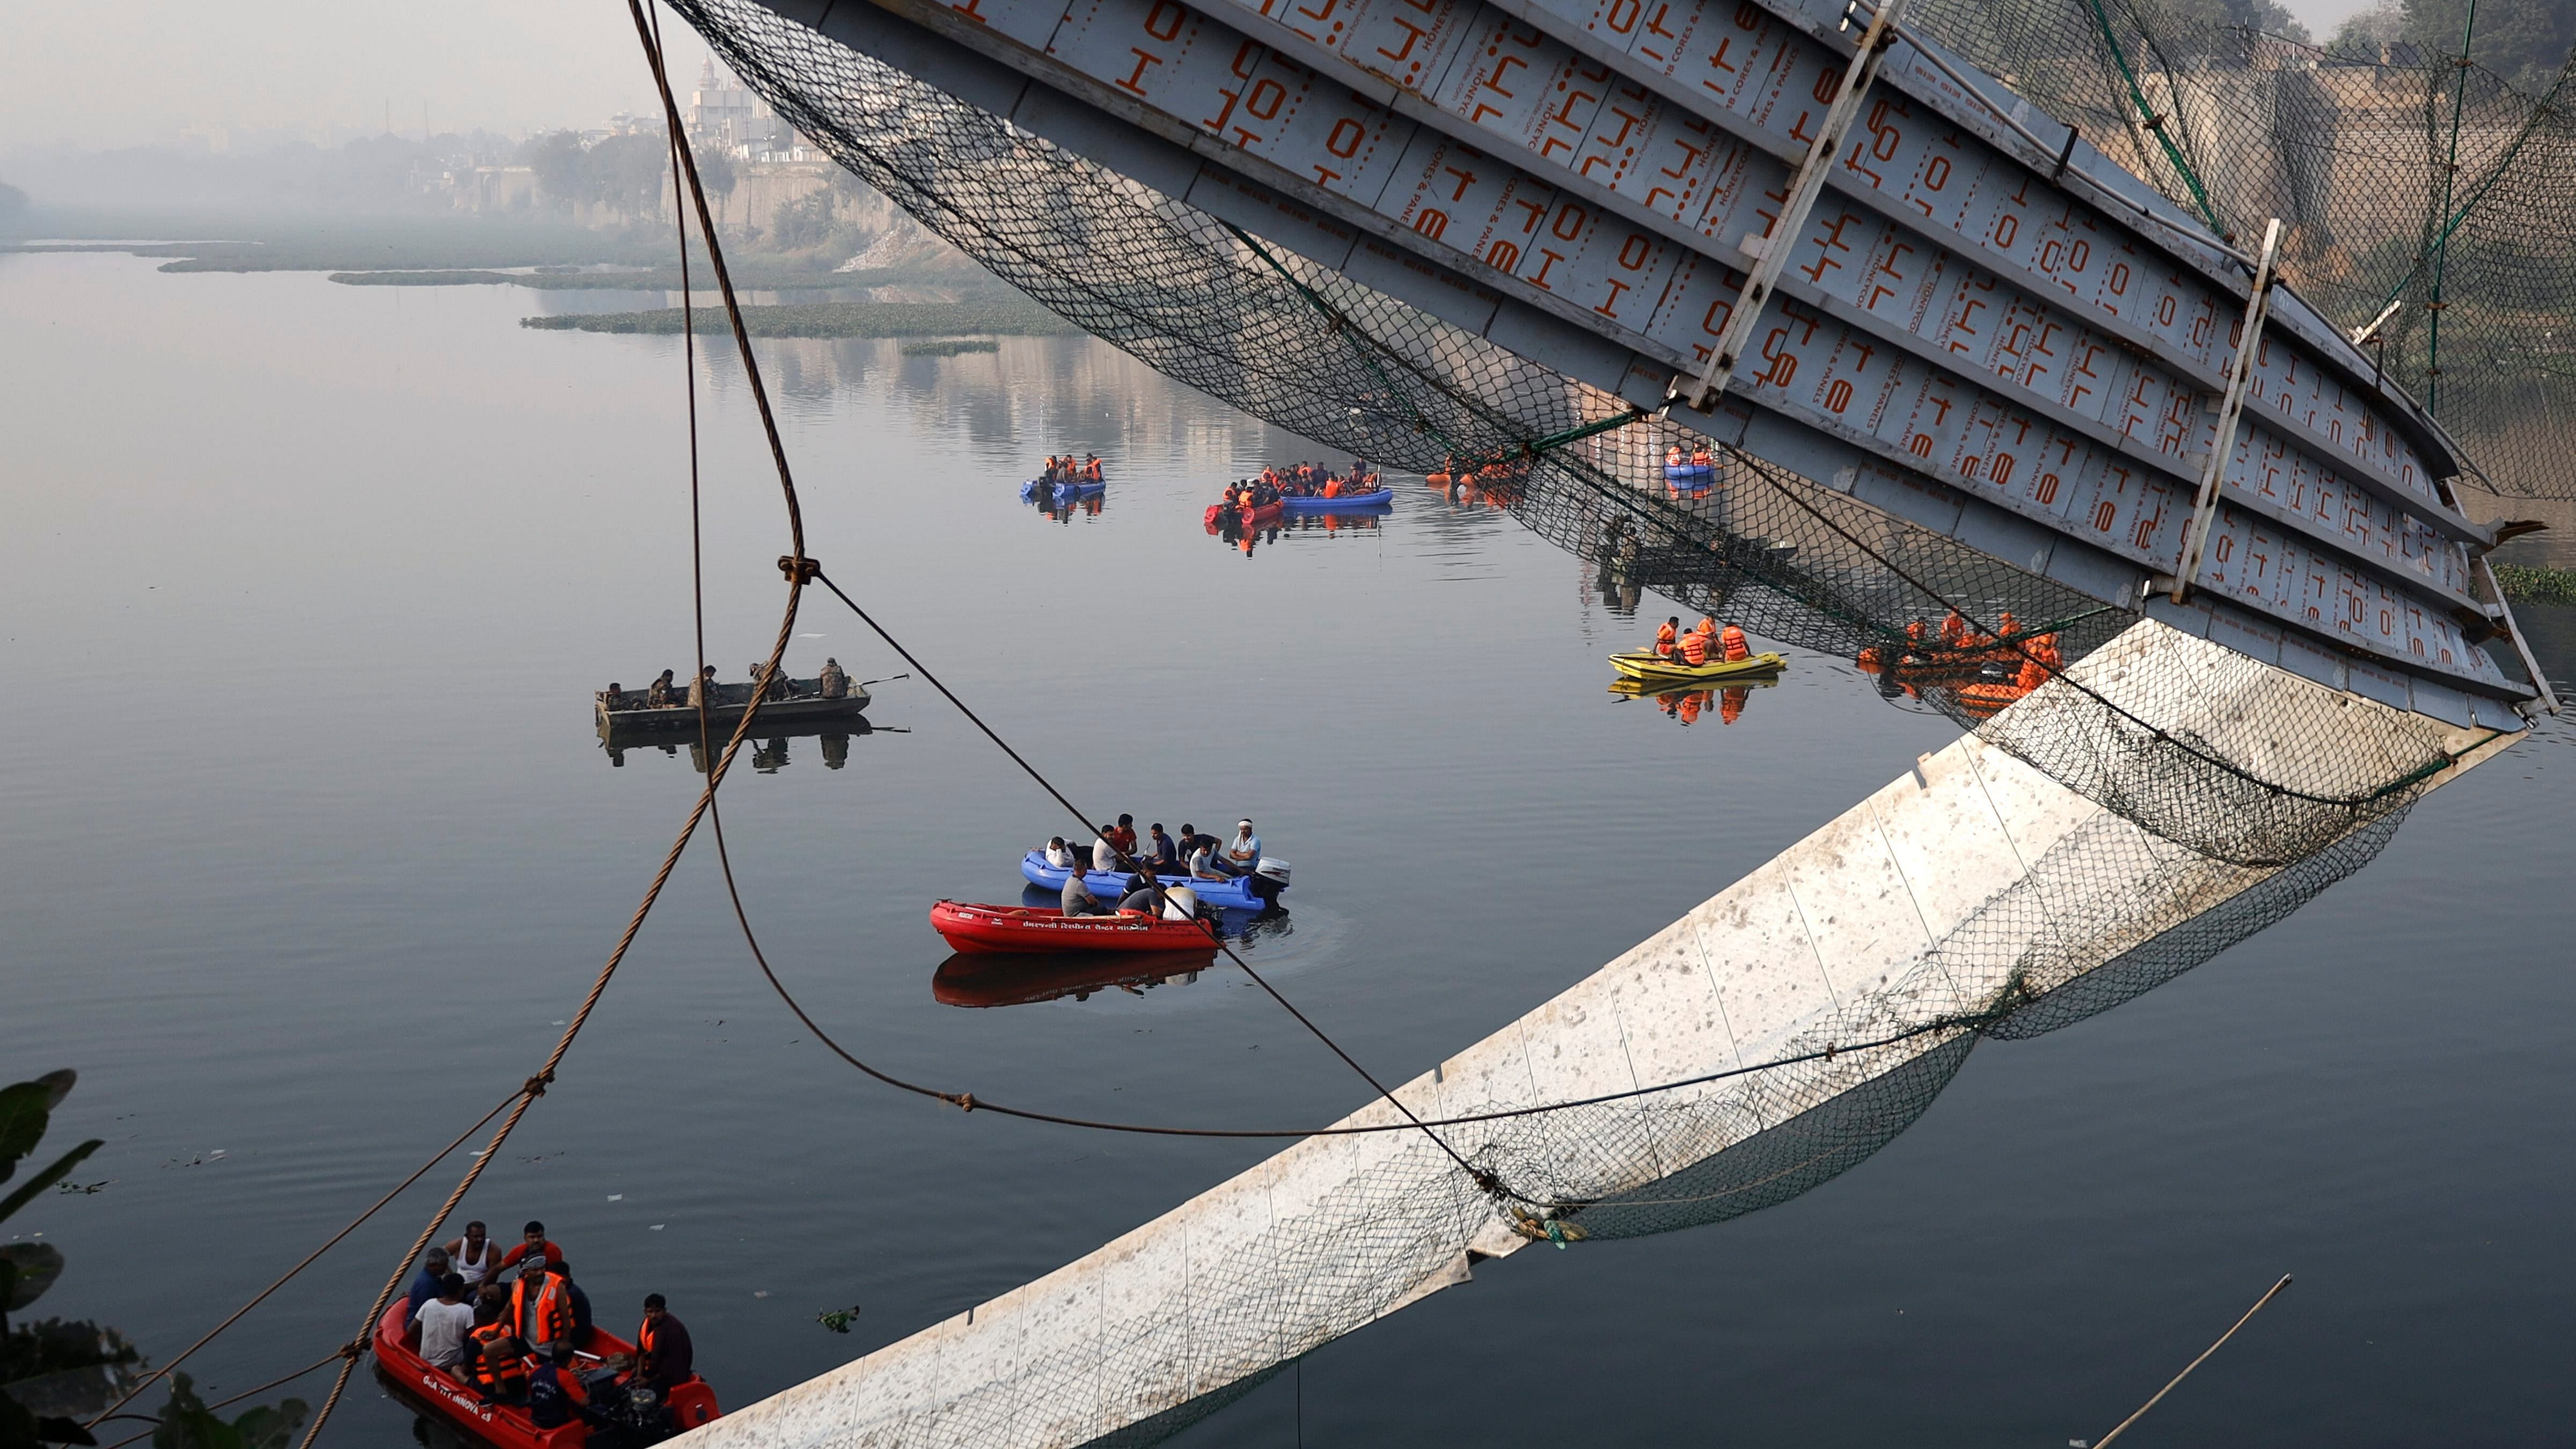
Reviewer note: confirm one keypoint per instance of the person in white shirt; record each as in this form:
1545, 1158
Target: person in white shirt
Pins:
1244, 851
1104, 856
444, 1321
1059, 854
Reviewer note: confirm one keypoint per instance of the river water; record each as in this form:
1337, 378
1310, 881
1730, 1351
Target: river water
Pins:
311, 847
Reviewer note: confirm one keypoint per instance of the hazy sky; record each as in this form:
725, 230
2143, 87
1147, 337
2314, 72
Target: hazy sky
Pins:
130, 72
133, 72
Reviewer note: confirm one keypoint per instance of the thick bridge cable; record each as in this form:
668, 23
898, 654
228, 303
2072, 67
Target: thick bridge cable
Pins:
797, 568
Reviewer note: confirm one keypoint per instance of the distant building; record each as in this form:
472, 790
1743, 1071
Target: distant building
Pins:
729, 116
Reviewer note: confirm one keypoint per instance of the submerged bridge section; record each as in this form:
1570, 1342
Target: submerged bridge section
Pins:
1972, 896
1951, 339
1819, 238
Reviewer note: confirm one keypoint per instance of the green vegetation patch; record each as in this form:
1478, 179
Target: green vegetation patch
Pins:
2535, 584
950, 347
1015, 317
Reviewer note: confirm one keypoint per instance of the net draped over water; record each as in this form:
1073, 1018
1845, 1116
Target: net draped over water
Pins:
2234, 792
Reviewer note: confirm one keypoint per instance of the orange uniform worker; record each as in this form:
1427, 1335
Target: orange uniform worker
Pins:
1954, 630
1667, 637
1731, 640
1695, 647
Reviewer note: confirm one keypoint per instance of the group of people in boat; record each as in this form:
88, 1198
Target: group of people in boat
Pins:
1067, 469
1701, 643
509, 1324
1152, 861
662, 693
1676, 456
1300, 480
1956, 643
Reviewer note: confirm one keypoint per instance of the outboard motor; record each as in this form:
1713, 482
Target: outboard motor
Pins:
1269, 877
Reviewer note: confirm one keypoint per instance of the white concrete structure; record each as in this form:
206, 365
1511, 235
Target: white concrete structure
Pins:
1954, 890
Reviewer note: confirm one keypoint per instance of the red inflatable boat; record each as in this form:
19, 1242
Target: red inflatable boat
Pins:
1020, 928
691, 1403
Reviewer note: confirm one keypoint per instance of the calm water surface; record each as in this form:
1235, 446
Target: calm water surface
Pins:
310, 847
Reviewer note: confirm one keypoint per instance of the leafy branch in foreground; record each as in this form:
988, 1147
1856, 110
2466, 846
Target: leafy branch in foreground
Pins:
55, 1372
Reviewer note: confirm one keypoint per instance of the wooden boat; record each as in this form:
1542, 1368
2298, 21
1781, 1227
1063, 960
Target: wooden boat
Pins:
625, 711
507, 1426
976, 928
1643, 664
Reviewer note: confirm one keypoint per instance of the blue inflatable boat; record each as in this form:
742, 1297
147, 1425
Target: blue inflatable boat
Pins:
1347, 503
1035, 490
1689, 477
1109, 885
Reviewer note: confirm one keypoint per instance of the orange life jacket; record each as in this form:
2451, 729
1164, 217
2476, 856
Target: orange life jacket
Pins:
495, 1371
1915, 631
1664, 637
2033, 674
554, 1311
1673, 456
1694, 648
1332, 487
1700, 458
1954, 629
1734, 641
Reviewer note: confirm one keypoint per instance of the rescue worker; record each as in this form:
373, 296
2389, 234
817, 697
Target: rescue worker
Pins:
2007, 626
1077, 900
539, 1308
1147, 896
1667, 637
1673, 456
1694, 648
497, 1360
1702, 458
836, 680
1732, 642
657, 695
1954, 630
663, 1354
1091, 467
474, 1255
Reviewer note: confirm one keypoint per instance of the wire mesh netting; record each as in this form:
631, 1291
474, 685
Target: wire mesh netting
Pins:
2404, 175
2232, 791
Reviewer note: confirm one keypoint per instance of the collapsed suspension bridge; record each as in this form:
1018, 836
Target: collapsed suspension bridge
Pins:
1955, 355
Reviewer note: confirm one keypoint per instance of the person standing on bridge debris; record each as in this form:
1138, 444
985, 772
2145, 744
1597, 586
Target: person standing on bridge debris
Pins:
702, 690
657, 695
836, 680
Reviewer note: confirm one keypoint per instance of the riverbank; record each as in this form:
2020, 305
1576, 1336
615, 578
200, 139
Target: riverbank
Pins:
1005, 317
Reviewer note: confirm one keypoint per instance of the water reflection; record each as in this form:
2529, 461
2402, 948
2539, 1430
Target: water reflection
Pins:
769, 751
1004, 978
1227, 527
1686, 707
